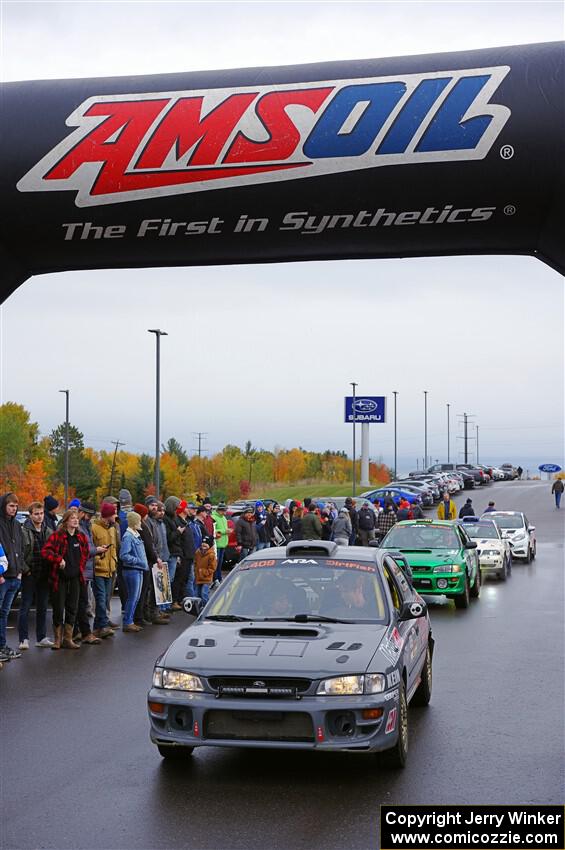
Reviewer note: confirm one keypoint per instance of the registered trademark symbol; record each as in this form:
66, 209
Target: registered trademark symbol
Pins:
509, 209
506, 151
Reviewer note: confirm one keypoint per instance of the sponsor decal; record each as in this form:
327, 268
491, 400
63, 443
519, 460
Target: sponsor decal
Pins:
352, 565
396, 638
391, 721
129, 147
393, 678
299, 561
391, 695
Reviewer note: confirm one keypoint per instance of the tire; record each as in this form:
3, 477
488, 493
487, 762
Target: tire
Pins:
462, 600
534, 552
475, 591
529, 556
423, 693
175, 753
504, 574
395, 758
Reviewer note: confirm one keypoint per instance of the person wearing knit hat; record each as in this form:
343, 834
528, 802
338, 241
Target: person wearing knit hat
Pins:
181, 507
134, 565
140, 509
50, 504
467, 509
105, 538
150, 500
74, 503
125, 498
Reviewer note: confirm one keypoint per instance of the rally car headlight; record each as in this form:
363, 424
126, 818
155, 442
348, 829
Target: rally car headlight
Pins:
492, 553
176, 681
447, 568
341, 686
375, 683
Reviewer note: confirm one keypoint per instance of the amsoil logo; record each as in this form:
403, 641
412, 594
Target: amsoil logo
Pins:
130, 147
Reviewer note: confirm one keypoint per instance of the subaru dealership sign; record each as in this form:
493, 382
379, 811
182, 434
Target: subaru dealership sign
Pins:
368, 408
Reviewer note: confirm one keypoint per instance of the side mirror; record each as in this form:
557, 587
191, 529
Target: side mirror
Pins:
192, 605
412, 611
531, 528
472, 544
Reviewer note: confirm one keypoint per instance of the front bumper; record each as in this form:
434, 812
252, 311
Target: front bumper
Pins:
428, 583
491, 563
519, 549
308, 723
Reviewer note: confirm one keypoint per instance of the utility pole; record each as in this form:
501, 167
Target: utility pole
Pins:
66, 446
465, 437
354, 385
200, 435
395, 393
158, 334
448, 406
425, 429
477, 432
117, 444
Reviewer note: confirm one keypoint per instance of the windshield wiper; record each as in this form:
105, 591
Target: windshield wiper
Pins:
305, 618
228, 618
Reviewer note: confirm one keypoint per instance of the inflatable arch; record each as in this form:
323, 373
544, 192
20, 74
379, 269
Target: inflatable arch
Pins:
454, 153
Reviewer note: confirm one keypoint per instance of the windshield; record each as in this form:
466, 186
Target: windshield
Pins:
281, 590
484, 532
509, 521
421, 537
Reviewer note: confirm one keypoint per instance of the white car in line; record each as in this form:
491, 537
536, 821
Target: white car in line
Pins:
494, 551
515, 527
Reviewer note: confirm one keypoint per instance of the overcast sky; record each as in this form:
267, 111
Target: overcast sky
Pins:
266, 353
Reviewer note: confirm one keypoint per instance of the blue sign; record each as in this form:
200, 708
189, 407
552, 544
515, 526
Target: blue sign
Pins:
368, 408
549, 467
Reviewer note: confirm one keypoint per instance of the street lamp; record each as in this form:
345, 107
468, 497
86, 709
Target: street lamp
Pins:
66, 446
395, 393
425, 429
158, 334
354, 385
448, 406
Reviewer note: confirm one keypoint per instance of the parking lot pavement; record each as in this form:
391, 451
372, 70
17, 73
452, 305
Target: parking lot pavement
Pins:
79, 771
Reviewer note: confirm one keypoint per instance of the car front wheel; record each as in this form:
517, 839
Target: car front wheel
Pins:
397, 755
528, 555
175, 753
462, 599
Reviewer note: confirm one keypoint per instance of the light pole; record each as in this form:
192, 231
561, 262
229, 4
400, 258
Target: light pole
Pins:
354, 385
158, 334
477, 430
448, 406
395, 393
425, 429
66, 446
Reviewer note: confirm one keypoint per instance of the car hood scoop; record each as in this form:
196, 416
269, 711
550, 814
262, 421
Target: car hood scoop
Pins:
278, 631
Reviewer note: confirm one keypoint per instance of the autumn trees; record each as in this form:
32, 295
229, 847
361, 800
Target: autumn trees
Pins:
33, 466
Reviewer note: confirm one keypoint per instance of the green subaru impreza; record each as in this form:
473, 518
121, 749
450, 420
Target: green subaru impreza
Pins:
442, 557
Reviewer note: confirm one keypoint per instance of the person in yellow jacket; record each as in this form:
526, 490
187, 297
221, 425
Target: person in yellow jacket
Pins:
446, 508
105, 565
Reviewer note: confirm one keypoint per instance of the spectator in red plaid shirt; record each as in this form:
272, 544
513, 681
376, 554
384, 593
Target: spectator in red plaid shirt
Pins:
67, 550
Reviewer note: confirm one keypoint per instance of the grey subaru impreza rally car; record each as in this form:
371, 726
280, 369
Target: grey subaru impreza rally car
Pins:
313, 646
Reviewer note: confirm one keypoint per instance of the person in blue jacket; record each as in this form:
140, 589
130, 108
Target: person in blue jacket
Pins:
134, 564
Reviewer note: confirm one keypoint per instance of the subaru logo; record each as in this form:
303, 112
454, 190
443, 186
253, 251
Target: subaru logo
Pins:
365, 405
259, 684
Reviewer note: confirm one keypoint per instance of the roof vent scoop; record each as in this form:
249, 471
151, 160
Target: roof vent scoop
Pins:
325, 548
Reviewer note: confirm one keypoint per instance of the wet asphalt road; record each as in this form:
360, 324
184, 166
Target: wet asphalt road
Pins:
78, 770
